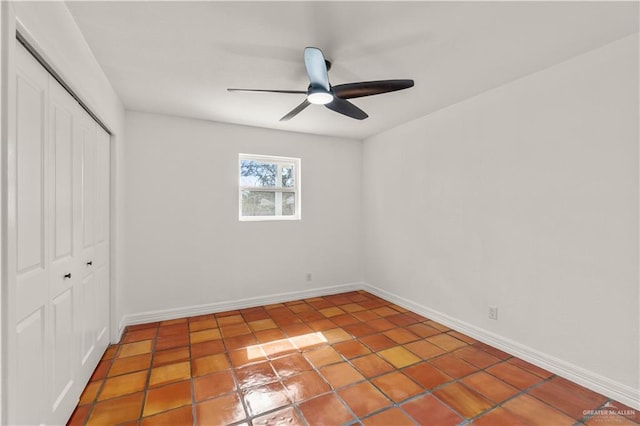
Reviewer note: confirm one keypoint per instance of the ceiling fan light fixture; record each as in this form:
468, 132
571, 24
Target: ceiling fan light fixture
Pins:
320, 97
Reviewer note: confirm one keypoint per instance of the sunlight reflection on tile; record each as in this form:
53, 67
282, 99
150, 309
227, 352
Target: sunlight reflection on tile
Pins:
301, 342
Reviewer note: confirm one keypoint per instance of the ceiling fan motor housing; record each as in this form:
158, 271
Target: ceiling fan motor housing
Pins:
319, 95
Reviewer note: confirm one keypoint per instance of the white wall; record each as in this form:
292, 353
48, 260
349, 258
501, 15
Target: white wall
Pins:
185, 244
524, 197
52, 27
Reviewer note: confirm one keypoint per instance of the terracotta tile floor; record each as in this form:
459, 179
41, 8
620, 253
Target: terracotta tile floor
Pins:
351, 358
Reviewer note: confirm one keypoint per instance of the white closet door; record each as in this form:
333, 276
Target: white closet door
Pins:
100, 261
61, 220
64, 248
32, 248
87, 296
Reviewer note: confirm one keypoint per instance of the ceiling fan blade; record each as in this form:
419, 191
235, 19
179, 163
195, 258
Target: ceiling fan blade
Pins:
346, 108
269, 91
296, 110
316, 68
368, 88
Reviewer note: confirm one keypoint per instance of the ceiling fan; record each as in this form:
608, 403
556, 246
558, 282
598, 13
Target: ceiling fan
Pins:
321, 92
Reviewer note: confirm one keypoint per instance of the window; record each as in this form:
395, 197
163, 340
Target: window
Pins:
269, 188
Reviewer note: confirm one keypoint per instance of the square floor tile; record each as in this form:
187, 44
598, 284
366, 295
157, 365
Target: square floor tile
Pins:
513, 375
235, 330
325, 410
490, 386
266, 336
204, 324
359, 329
211, 347
476, 357
308, 341
331, 312
401, 335
230, 320
265, 398
138, 335
117, 410
428, 411
305, 386
463, 400
397, 386
423, 330
123, 385
265, 324
278, 348
567, 400
321, 325
136, 348
173, 330
246, 356
170, 342
286, 417
381, 324
204, 335
499, 417
295, 330
167, 397
454, 367
385, 311
170, 373
341, 374
364, 398
351, 349
170, 356
426, 375
371, 365
378, 342
255, 375
79, 415
213, 385
424, 349
391, 417
540, 372
290, 365
536, 413
240, 342
460, 336
446, 342
209, 364
336, 335
178, 416
90, 392
399, 357
323, 356
223, 410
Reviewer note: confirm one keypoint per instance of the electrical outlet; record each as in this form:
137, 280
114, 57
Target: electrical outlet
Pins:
308, 276
493, 312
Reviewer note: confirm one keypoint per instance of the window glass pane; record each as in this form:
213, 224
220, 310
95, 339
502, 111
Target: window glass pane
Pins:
288, 203
258, 203
257, 173
288, 176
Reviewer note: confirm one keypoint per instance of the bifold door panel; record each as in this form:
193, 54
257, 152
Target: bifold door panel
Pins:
61, 249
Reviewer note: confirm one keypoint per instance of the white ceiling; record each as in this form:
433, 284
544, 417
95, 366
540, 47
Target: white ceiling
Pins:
179, 58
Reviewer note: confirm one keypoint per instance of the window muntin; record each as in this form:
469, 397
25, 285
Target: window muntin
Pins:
269, 187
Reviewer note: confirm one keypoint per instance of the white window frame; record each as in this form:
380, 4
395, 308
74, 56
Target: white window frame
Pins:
279, 161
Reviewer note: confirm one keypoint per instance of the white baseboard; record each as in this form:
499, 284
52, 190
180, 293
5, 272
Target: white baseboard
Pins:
230, 305
596, 382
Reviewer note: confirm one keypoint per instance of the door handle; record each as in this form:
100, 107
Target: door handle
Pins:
67, 276
89, 263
